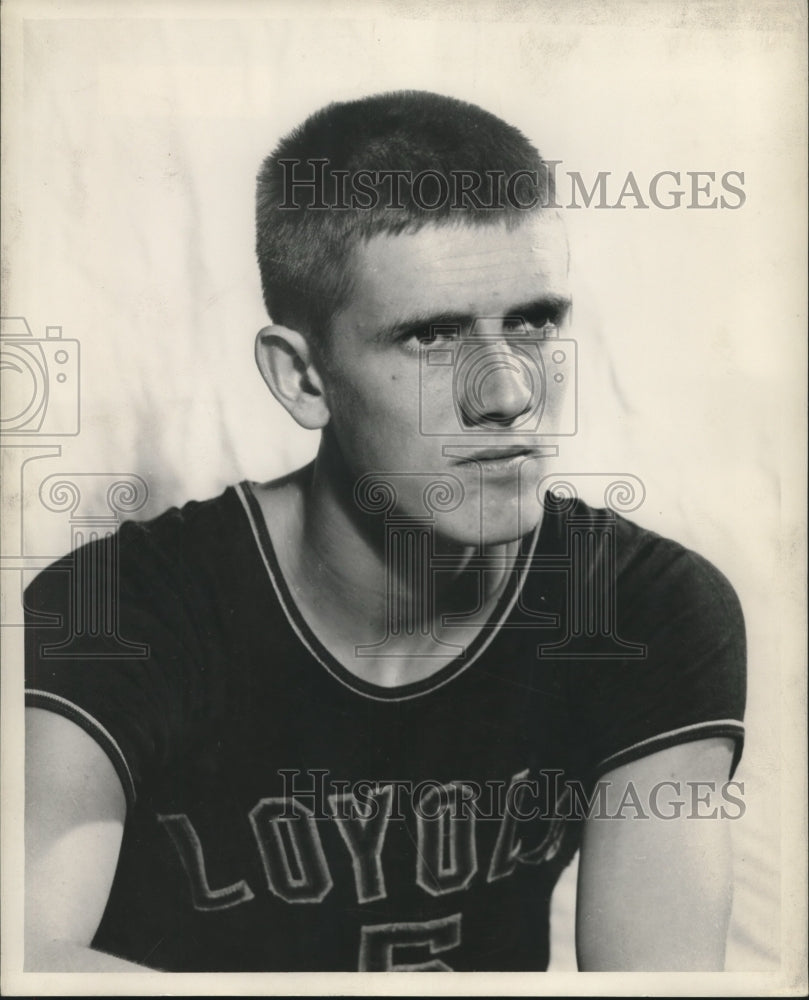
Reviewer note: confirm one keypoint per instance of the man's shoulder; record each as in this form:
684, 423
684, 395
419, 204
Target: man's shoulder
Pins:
641, 560
208, 517
174, 543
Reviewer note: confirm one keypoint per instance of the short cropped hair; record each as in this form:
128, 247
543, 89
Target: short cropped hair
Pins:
381, 164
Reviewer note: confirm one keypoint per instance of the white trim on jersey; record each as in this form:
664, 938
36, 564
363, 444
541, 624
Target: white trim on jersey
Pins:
110, 740
671, 734
389, 692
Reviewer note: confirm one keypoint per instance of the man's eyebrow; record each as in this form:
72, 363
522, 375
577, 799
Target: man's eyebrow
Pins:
423, 321
555, 306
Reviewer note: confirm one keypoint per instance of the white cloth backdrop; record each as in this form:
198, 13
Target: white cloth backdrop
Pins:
132, 229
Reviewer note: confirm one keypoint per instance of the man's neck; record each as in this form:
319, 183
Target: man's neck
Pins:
338, 536
336, 563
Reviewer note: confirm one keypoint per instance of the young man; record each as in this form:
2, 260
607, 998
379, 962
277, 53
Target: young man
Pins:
371, 697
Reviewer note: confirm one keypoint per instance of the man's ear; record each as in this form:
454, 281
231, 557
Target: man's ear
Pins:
285, 361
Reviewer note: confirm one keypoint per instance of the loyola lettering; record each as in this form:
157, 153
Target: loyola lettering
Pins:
445, 856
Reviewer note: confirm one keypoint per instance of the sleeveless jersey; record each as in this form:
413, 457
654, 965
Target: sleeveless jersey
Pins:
285, 815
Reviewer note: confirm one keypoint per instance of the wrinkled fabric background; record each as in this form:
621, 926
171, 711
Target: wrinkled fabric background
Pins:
132, 228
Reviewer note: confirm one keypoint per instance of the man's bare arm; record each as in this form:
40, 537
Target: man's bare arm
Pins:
655, 894
74, 818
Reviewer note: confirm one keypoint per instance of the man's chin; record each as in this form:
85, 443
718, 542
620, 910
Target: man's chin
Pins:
471, 529
456, 506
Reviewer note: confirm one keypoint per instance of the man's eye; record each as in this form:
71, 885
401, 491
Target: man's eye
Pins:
430, 335
543, 323
514, 324
443, 334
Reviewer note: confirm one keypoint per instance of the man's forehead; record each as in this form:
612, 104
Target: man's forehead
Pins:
486, 267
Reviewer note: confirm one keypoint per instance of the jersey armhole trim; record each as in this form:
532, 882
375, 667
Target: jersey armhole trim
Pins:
35, 698
685, 734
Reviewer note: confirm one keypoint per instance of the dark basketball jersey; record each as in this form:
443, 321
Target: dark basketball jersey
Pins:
285, 815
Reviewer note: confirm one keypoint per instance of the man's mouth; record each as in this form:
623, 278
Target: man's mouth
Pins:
504, 456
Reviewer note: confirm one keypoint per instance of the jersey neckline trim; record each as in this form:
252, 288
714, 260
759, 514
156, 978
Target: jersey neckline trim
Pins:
457, 666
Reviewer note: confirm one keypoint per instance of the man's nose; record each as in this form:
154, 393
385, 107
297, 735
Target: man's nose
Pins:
498, 387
